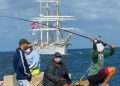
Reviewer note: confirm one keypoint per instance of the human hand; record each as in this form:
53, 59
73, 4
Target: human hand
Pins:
114, 46
77, 84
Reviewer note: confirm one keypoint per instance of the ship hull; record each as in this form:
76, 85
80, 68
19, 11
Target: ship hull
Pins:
51, 50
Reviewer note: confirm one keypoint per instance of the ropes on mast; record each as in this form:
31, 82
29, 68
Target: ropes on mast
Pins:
26, 20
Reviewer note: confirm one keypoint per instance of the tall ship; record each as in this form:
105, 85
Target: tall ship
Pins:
47, 29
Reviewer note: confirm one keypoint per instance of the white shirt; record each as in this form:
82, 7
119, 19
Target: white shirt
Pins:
33, 59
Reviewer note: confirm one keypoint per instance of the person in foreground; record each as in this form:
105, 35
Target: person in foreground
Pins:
33, 59
56, 73
20, 64
98, 74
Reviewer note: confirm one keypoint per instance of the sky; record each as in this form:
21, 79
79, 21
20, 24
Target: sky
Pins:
93, 18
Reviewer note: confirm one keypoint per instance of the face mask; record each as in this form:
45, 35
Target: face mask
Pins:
28, 50
95, 41
57, 60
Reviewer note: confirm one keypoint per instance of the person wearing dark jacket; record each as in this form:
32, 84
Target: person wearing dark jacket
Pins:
20, 64
56, 73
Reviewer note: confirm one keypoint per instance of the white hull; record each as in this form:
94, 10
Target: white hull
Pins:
48, 37
51, 50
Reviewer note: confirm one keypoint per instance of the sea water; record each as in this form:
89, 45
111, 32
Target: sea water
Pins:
77, 61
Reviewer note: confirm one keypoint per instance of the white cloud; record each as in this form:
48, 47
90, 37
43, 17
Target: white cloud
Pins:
95, 17
97, 9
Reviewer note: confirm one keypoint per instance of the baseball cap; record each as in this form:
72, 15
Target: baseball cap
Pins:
57, 54
23, 41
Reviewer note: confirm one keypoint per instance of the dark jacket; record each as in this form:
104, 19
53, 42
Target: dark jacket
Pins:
53, 75
20, 65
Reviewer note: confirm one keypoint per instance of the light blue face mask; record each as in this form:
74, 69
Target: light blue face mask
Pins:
57, 59
28, 51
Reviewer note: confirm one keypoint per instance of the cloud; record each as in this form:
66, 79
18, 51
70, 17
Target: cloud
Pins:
21, 4
96, 9
97, 16
94, 17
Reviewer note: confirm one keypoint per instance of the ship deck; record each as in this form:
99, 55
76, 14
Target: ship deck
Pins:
36, 81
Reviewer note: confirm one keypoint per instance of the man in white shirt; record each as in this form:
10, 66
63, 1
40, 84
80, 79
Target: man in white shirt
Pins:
33, 59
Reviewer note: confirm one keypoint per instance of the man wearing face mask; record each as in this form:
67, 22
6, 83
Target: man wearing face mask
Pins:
56, 73
20, 65
33, 59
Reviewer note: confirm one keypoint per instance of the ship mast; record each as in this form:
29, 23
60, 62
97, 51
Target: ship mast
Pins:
44, 12
58, 22
50, 16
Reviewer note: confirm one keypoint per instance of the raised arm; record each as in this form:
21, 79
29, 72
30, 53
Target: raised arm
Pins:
110, 51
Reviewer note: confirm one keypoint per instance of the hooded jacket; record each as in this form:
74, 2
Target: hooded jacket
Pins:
53, 75
20, 66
